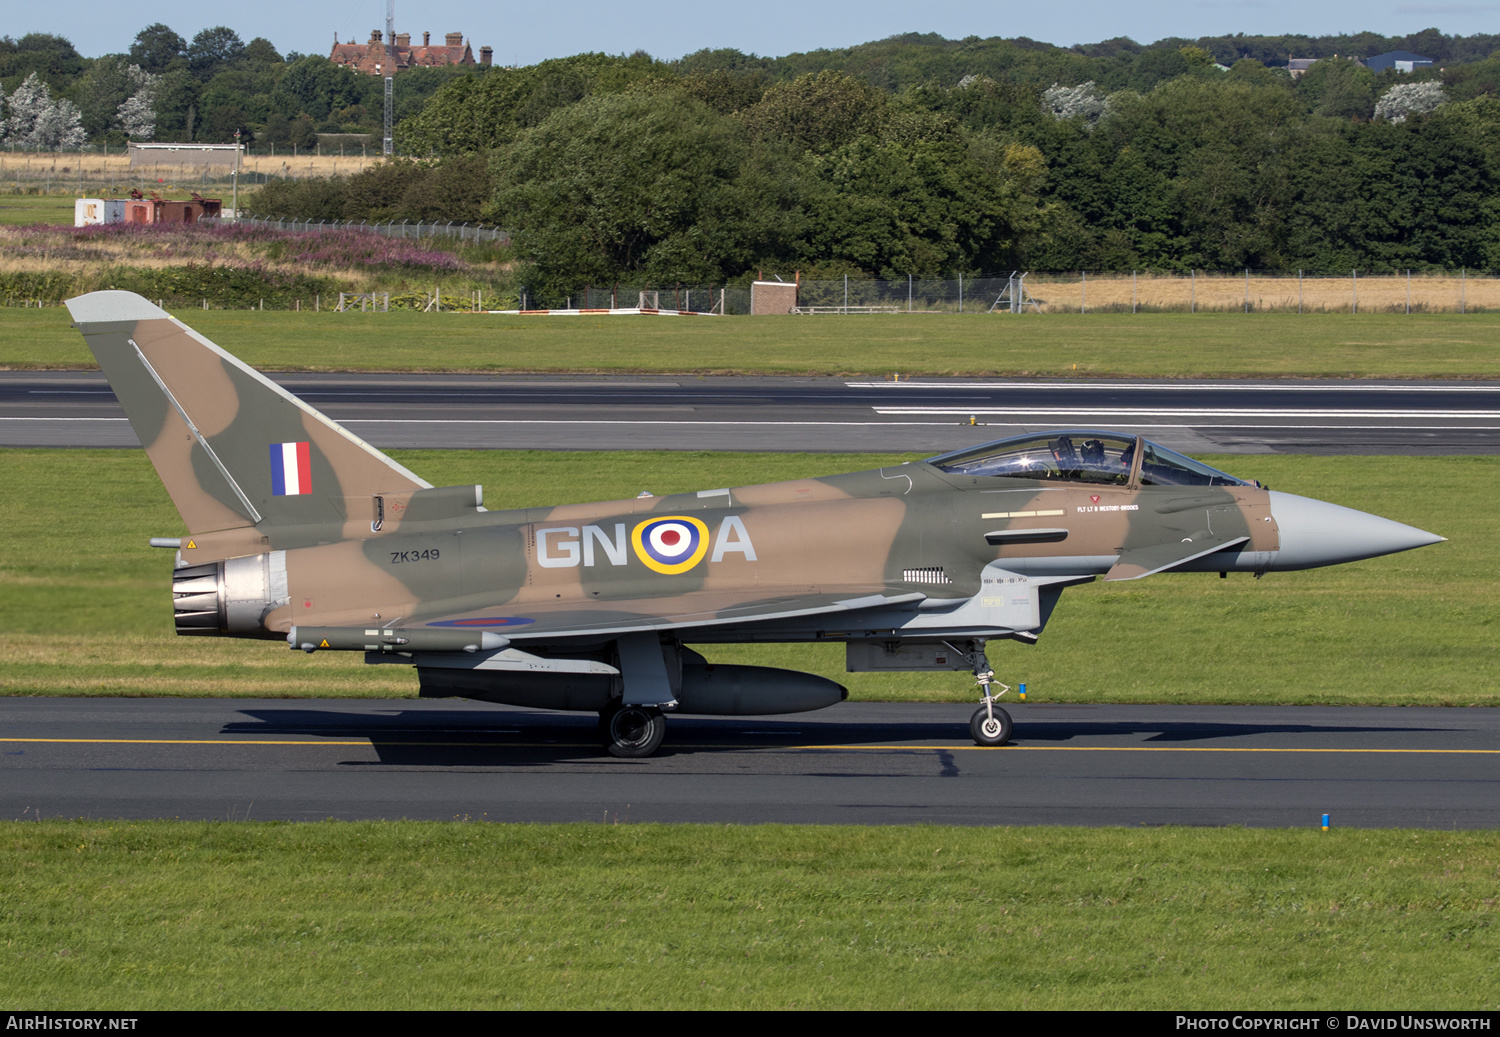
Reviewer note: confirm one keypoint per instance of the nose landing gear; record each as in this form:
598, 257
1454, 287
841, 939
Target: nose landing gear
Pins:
990, 725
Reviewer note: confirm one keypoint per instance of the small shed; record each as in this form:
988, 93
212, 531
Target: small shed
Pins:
167, 154
88, 212
772, 297
159, 210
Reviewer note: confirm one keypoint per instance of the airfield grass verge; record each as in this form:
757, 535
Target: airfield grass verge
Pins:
1167, 345
85, 610
395, 915
22, 210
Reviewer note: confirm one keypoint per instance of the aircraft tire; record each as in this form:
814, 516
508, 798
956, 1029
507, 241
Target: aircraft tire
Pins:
633, 732
987, 731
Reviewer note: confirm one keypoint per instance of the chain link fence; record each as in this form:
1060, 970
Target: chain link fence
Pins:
1460, 291
688, 298
389, 229
103, 171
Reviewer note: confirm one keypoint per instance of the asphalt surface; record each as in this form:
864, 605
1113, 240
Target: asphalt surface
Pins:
865, 763
807, 414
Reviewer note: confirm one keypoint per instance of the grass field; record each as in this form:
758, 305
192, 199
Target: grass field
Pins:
1142, 345
404, 915
20, 210
1367, 294
85, 607
28, 167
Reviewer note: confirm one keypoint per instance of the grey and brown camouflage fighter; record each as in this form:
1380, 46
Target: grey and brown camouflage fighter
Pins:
298, 530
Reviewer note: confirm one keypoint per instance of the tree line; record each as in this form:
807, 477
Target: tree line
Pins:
910, 156
200, 90
610, 168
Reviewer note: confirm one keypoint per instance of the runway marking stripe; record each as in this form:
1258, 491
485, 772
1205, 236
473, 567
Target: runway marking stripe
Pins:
174, 741
886, 425
902, 748
1186, 412
1154, 749
1176, 387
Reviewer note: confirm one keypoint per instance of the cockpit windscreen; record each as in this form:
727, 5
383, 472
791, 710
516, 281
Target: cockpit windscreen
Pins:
1082, 456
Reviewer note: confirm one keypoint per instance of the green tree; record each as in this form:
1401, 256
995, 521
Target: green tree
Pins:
211, 50
647, 184
376, 193
455, 189
260, 51
727, 92
484, 110
1340, 88
51, 57
101, 90
176, 106
156, 47
816, 113
312, 198
319, 87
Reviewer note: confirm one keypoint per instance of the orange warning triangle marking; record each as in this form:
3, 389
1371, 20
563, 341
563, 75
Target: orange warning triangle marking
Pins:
191, 545
324, 644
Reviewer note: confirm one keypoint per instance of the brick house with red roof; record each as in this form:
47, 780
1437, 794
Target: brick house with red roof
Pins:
369, 57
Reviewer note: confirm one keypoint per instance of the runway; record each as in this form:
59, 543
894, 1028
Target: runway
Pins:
76, 409
864, 763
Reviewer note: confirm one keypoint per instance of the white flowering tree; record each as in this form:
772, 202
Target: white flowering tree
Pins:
60, 128
25, 106
37, 121
1406, 99
1065, 102
137, 113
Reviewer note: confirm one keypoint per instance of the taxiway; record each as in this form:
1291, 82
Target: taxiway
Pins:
864, 763
76, 409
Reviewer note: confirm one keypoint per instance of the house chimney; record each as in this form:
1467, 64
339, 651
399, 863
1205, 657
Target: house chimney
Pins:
403, 39
486, 55
455, 39
374, 35
427, 39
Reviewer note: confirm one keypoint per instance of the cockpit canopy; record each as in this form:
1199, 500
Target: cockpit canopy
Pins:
1085, 456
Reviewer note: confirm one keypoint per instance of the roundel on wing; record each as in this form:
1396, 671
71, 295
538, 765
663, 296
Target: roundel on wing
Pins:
672, 544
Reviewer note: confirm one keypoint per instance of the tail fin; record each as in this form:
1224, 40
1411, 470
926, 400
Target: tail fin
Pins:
234, 449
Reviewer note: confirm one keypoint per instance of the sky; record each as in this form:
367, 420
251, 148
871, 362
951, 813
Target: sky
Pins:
528, 33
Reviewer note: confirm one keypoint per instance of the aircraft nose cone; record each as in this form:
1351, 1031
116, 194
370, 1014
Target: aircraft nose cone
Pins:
1315, 533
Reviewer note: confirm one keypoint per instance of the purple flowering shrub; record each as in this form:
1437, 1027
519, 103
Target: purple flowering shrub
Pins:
345, 248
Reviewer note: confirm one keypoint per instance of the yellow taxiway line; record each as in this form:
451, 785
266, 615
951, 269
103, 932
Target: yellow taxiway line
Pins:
884, 748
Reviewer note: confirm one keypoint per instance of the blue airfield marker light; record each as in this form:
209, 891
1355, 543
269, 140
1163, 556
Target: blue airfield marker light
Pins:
1021, 691
1325, 822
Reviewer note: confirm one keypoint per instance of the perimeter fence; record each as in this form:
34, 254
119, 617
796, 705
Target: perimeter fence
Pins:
685, 298
107, 172
1461, 291
389, 229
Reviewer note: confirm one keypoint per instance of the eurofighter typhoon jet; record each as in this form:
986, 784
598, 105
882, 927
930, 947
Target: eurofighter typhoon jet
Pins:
297, 530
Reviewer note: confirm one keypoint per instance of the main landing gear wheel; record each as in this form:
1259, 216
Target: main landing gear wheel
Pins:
631, 732
990, 729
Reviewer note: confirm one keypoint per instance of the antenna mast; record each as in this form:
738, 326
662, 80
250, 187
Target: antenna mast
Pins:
390, 73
